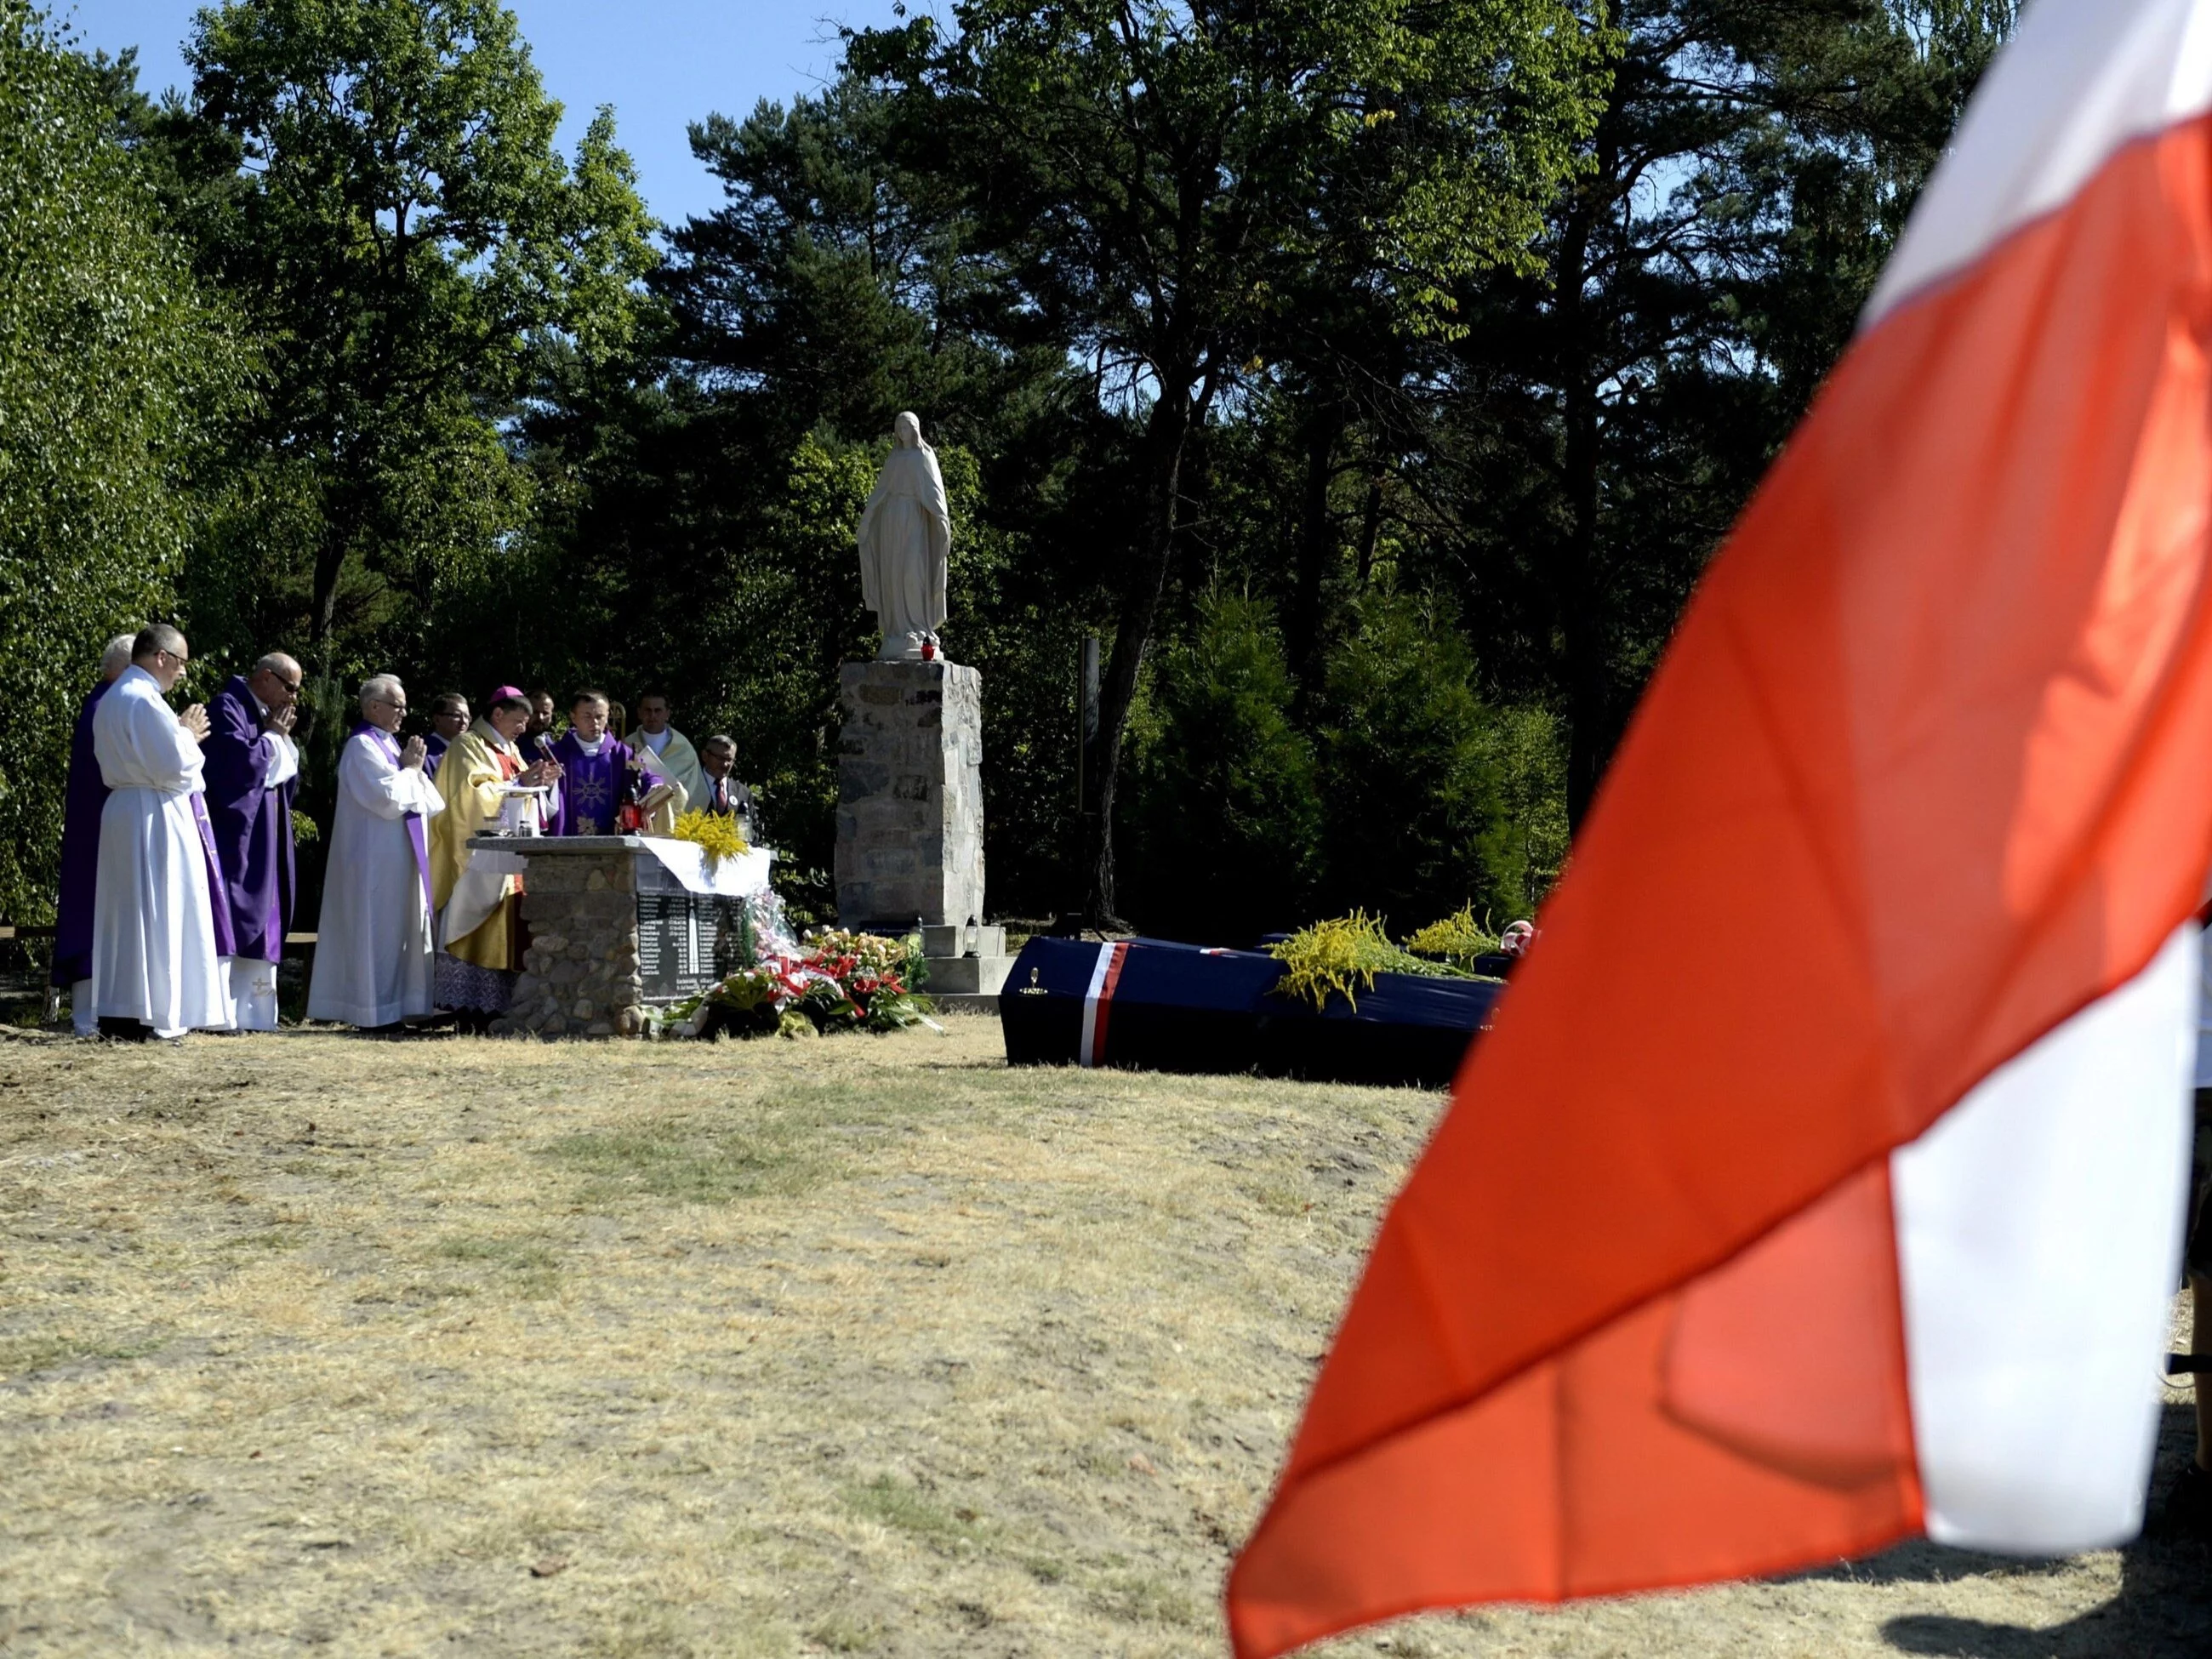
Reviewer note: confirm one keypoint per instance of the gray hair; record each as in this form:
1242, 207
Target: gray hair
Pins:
381, 688
276, 663
117, 657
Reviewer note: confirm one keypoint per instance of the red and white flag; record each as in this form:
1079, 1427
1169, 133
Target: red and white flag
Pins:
1863, 1225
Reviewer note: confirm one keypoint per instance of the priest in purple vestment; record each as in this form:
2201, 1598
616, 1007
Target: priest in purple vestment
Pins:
85, 793
252, 770
601, 775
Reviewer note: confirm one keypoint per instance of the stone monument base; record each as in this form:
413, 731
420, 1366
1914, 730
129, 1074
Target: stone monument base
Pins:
910, 796
965, 974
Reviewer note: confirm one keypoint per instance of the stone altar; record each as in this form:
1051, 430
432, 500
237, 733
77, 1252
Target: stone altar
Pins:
615, 929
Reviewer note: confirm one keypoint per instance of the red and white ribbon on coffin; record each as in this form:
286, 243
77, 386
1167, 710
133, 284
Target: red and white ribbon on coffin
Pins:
1098, 1003
1866, 1226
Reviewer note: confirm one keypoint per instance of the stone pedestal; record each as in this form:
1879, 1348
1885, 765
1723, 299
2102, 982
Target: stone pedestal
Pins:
965, 973
909, 796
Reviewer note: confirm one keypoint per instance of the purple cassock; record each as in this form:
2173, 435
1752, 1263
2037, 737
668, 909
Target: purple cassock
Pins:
434, 750
594, 787
251, 822
225, 932
86, 792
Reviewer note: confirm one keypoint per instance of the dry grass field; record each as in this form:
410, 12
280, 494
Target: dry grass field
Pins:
311, 1344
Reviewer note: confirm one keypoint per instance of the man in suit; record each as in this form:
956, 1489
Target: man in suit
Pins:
720, 793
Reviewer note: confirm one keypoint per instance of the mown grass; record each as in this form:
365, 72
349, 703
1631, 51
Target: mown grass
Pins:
687, 1163
855, 1346
22, 1355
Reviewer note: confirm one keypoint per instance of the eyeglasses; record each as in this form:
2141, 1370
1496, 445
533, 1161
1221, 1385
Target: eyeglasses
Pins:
173, 657
293, 686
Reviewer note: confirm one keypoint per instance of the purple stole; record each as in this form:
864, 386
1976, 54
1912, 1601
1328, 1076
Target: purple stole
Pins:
416, 836
226, 939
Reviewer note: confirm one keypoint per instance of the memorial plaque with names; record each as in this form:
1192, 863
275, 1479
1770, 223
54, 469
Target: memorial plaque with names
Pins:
686, 941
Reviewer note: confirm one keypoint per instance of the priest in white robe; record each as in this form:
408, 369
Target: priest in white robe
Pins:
153, 959
375, 940
671, 752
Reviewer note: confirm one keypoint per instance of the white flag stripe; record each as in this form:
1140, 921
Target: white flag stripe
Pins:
2039, 1232
1088, 1053
2079, 81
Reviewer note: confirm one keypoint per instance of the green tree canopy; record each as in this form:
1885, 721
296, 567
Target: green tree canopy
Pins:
1150, 183
115, 376
410, 247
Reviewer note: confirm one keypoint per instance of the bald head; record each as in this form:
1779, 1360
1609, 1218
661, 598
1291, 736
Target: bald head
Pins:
275, 681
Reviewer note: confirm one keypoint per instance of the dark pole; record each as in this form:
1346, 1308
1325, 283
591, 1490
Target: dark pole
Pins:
1086, 765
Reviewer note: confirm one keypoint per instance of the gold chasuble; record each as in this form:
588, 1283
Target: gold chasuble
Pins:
477, 912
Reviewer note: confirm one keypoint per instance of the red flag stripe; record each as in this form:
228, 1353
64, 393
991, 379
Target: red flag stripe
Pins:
1098, 1003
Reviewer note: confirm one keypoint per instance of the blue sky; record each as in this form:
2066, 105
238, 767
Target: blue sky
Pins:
660, 62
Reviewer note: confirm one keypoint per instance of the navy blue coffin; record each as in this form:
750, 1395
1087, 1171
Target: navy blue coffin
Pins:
1163, 1006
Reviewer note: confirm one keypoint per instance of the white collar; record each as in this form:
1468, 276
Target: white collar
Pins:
592, 748
658, 741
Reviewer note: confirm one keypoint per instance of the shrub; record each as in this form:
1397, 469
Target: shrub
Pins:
1225, 831
1434, 798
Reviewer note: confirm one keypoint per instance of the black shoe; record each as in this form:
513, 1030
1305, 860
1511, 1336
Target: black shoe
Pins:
2187, 1512
115, 1030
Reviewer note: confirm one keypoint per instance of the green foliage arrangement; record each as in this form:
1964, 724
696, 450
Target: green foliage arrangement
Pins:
719, 836
1456, 938
1342, 957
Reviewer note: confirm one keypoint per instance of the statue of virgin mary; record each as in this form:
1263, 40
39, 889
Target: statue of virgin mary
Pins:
906, 543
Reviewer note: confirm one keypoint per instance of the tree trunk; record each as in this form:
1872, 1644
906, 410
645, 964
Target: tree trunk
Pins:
1370, 525
1324, 427
1165, 436
1579, 591
330, 564
1582, 622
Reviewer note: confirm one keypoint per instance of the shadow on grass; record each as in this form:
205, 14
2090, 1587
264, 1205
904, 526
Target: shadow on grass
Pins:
2163, 1610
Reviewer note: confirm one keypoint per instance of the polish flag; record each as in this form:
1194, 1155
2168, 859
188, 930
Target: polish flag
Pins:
1864, 1225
